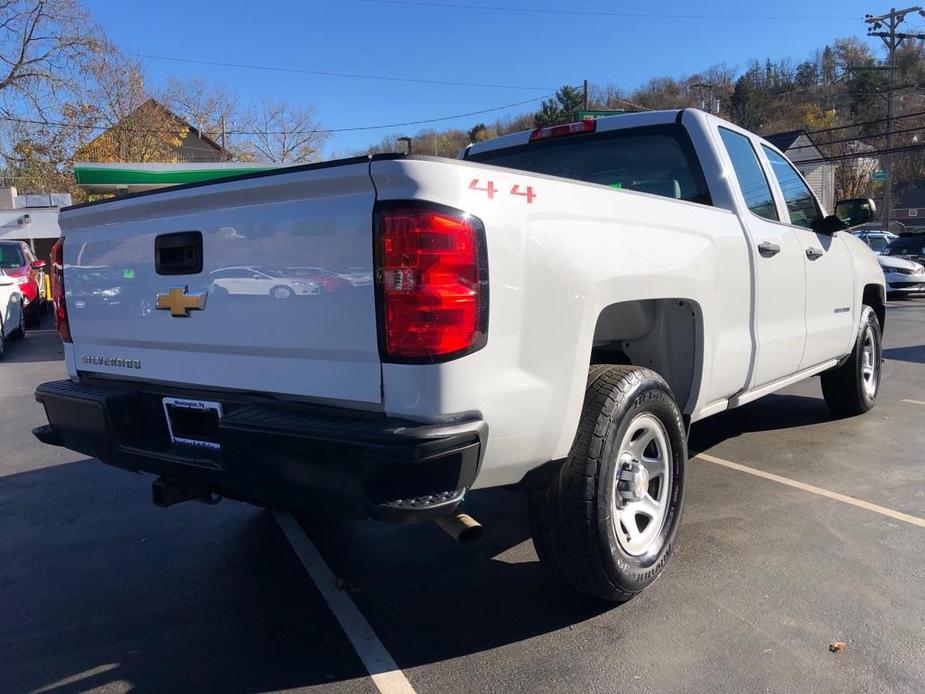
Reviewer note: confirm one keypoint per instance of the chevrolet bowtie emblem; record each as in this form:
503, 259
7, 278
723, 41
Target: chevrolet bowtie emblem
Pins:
180, 303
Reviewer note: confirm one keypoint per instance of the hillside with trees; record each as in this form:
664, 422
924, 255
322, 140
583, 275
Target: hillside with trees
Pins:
832, 94
67, 93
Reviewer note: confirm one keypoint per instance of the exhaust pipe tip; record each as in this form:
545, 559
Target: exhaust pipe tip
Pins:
460, 526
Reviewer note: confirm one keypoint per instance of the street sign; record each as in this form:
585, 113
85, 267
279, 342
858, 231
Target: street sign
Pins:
878, 176
591, 115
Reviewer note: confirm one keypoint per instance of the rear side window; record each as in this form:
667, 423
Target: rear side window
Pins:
658, 160
804, 212
750, 175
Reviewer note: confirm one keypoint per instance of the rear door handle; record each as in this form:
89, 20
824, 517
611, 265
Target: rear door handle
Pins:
814, 253
768, 249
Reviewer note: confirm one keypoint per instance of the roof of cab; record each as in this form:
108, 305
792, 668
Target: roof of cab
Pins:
623, 120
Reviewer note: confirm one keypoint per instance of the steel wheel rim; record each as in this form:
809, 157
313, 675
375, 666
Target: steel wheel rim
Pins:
638, 520
281, 293
870, 363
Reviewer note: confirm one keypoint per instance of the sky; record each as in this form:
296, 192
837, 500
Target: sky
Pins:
505, 53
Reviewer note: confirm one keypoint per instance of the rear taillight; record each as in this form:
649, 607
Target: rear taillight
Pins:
432, 279
552, 131
57, 290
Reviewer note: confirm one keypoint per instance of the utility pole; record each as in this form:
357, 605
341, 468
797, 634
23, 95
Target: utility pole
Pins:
893, 40
224, 151
585, 101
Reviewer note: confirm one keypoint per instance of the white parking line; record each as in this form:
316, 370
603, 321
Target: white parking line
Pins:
889, 513
914, 402
380, 665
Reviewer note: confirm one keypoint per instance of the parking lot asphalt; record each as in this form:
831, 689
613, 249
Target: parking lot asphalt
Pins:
100, 590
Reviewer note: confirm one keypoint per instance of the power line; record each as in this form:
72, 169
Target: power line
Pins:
383, 126
863, 123
599, 13
348, 75
858, 137
862, 155
893, 40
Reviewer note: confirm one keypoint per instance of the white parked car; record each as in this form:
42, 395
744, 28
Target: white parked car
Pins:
261, 281
549, 312
902, 276
12, 315
876, 240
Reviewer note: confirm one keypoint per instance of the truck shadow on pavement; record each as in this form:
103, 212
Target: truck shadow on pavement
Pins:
914, 354
770, 413
98, 587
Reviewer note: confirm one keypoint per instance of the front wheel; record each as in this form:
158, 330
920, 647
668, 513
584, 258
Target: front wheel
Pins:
606, 522
852, 388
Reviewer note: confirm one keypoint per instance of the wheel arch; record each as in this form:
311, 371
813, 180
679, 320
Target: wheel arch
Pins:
874, 296
665, 335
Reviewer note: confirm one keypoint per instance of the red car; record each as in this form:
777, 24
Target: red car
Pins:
19, 262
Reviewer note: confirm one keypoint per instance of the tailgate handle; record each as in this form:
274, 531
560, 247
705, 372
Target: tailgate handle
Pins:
179, 253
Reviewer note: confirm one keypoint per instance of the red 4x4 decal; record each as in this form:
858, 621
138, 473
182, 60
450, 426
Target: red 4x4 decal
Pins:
489, 189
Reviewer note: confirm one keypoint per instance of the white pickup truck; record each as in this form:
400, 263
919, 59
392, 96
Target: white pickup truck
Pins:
548, 312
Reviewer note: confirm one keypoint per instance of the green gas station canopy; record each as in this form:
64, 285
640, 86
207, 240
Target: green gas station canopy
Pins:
135, 177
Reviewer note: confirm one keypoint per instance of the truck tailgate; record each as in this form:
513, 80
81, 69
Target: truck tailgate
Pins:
283, 302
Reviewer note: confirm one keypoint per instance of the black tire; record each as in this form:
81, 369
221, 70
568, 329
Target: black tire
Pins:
2, 341
572, 518
282, 292
20, 332
847, 388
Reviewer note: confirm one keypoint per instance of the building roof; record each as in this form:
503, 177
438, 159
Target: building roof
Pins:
87, 150
784, 141
796, 144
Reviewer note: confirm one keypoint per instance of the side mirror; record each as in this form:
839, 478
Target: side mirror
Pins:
855, 211
39, 264
829, 225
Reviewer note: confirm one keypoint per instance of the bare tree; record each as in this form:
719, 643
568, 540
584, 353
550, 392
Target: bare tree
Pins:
44, 46
204, 104
134, 126
282, 133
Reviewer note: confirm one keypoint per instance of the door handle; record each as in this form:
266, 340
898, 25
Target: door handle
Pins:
768, 249
814, 253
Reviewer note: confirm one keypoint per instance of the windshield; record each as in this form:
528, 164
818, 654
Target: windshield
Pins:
11, 256
907, 245
657, 160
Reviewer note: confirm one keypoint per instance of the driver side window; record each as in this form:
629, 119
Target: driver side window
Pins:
804, 211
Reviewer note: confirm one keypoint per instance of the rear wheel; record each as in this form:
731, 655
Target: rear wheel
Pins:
852, 388
606, 522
